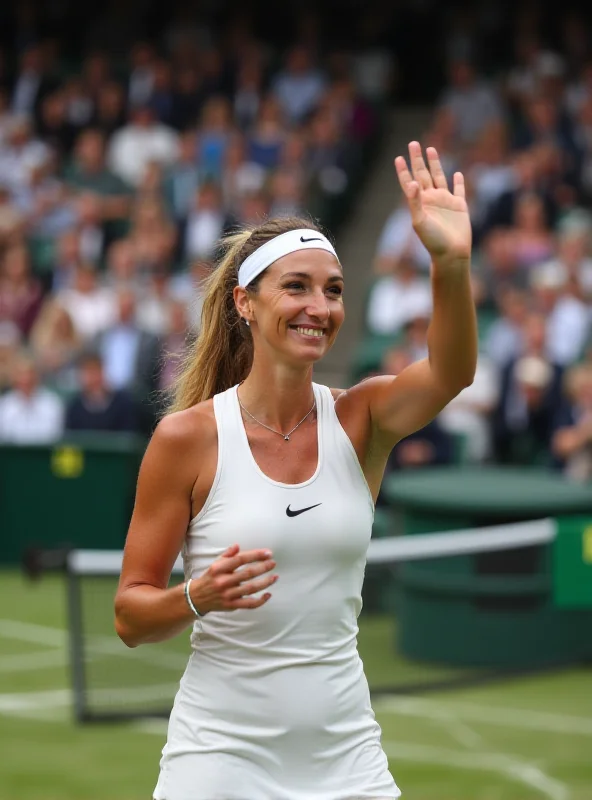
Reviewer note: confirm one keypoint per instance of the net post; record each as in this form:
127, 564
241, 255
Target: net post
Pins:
77, 670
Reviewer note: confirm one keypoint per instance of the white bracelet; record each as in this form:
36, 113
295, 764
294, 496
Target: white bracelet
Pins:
197, 613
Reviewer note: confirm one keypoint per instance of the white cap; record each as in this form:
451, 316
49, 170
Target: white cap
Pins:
533, 371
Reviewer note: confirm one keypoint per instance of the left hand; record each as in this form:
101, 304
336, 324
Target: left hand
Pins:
440, 217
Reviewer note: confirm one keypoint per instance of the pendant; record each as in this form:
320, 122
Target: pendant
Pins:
286, 438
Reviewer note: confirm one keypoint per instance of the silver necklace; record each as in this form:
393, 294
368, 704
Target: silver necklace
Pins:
273, 430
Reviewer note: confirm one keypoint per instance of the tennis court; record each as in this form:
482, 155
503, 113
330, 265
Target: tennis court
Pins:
526, 738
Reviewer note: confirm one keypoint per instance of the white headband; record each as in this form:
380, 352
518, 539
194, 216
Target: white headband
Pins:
279, 246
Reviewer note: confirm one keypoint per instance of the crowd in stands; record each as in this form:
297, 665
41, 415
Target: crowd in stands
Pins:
118, 176
120, 169
523, 139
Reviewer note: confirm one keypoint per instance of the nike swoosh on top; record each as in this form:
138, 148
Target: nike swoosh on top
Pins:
295, 513
312, 239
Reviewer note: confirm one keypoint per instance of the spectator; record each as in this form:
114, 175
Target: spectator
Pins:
11, 219
142, 140
10, 345
92, 307
239, 176
67, 259
32, 83
89, 173
122, 268
174, 344
188, 287
161, 98
30, 413
473, 104
187, 98
213, 136
152, 236
525, 416
142, 74
248, 93
21, 295
54, 127
21, 154
205, 223
430, 446
573, 252
393, 297
286, 194
182, 178
153, 303
567, 317
299, 86
504, 341
469, 413
267, 137
56, 346
96, 407
130, 355
109, 112
572, 440
398, 237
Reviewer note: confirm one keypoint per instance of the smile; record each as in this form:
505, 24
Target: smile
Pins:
315, 333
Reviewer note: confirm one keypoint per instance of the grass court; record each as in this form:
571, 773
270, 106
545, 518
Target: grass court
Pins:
525, 739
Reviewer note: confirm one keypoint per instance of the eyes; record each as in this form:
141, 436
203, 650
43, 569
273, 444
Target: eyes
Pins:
299, 286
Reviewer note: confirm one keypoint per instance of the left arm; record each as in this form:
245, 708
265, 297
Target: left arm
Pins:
400, 405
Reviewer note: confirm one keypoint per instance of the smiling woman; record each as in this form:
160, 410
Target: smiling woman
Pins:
258, 467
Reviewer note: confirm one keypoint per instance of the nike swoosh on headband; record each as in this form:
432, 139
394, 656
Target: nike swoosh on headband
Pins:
312, 239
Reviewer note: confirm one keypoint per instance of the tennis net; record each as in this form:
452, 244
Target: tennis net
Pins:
440, 609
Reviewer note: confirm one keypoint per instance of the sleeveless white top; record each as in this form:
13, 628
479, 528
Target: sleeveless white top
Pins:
274, 704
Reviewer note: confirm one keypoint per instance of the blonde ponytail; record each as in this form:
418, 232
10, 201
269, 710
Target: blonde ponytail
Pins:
222, 354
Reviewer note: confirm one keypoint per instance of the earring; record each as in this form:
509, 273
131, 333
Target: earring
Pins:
247, 323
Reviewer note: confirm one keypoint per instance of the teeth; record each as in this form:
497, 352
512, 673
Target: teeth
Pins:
310, 332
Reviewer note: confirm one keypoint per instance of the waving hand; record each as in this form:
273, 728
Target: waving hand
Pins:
440, 217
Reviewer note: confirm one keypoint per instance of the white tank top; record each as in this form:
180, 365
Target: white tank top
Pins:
274, 704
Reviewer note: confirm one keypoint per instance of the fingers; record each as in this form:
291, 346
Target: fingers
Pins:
229, 562
436, 170
418, 167
458, 185
239, 576
410, 188
250, 602
250, 587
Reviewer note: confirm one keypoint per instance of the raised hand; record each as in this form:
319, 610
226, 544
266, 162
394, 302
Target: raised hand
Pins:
232, 578
440, 217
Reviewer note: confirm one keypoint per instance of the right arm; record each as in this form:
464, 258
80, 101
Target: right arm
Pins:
145, 609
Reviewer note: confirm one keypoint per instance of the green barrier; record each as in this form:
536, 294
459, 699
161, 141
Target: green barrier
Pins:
572, 563
492, 609
78, 492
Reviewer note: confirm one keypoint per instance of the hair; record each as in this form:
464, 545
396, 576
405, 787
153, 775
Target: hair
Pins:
222, 354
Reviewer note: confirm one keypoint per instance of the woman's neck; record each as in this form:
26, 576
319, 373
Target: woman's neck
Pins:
276, 394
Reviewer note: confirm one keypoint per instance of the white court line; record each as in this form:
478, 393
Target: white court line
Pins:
103, 645
488, 715
490, 762
22, 662
29, 701
53, 698
28, 632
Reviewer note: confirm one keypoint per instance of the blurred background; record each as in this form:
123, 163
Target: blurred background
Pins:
132, 137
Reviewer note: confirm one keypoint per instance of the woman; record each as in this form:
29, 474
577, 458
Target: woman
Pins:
274, 703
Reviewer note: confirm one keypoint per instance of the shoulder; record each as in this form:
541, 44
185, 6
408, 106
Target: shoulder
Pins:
181, 430
180, 443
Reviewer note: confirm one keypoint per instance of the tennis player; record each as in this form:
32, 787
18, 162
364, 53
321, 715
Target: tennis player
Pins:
267, 481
